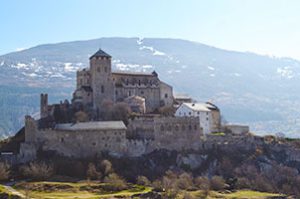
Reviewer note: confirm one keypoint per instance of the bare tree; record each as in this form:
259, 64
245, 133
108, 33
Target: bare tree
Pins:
4, 171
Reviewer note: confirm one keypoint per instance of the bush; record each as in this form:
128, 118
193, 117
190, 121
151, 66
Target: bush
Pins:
116, 183
106, 166
217, 183
185, 182
37, 171
157, 185
92, 173
4, 171
243, 183
142, 180
202, 183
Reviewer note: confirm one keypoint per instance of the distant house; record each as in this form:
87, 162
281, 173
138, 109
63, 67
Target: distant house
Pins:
208, 113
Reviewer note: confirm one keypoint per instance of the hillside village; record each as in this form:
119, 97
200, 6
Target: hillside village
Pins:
123, 113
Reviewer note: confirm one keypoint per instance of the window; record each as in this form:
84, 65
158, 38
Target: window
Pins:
116, 92
102, 89
190, 127
142, 92
94, 143
176, 128
98, 69
139, 82
129, 93
166, 95
198, 113
62, 140
190, 113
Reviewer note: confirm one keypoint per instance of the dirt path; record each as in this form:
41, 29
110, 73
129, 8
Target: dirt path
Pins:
13, 191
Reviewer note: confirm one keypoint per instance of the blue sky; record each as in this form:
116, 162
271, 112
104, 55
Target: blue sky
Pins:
263, 26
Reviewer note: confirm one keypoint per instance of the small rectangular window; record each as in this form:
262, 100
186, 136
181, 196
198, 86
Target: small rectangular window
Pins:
102, 89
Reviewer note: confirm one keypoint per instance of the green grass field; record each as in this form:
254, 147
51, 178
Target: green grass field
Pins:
60, 190
95, 190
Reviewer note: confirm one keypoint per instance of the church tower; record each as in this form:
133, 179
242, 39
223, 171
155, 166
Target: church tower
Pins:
102, 83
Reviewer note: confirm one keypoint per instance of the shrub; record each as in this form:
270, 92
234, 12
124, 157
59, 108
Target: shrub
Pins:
81, 116
37, 171
4, 171
157, 185
142, 180
92, 173
217, 183
243, 183
106, 167
185, 181
116, 183
202, 183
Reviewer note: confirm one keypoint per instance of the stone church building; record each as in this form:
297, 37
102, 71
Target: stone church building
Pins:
98, 83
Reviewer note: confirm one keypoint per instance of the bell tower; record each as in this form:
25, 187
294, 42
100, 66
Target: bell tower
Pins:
102, 83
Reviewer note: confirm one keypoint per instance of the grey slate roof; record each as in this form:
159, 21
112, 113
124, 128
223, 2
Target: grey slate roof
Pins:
100, 53
131, 73
99, 125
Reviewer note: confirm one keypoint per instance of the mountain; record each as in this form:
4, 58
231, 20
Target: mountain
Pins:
253, 89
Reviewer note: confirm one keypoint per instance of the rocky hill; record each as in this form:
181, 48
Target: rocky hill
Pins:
249, 88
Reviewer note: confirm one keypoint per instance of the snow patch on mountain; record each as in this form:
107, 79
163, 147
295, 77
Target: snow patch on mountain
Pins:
154, 51
286, 72
210, 68
20, 66
133, 67
2, 63
69, 68
140, 41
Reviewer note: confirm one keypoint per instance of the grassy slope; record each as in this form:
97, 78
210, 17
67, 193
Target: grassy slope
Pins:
75, 191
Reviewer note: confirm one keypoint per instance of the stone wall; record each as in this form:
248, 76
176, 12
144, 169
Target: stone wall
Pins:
166, 94
139, 147
141, 128
86, 143
237, 129
177, 133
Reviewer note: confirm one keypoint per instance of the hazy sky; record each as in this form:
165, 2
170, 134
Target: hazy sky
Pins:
262, 26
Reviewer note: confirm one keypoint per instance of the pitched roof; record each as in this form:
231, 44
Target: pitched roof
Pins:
131, 73
197, 106
99, 125
100, 53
